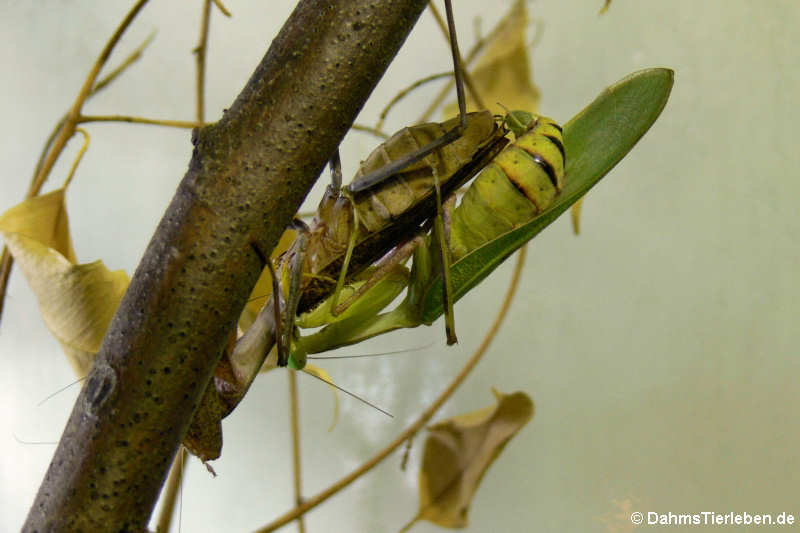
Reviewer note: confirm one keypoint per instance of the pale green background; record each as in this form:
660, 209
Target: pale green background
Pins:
659, 346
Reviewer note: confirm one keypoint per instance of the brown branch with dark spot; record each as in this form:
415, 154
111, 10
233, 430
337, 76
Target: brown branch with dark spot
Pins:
248, 175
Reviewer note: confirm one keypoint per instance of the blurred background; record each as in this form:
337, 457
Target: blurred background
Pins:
659, 346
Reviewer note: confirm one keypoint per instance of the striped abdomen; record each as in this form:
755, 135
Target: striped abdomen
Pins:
514, 188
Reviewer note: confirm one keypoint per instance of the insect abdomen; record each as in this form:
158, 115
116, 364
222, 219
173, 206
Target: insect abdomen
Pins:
377, 208
520, 183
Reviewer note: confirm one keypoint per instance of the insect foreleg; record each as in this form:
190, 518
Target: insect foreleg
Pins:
336, 181
296, 266
276, 308
336, 170
382, 268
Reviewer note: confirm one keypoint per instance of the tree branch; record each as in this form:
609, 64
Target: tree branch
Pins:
247, 177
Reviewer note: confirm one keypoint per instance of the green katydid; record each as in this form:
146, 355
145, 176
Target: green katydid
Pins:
393, 193
596, 139
385, 208
424, 301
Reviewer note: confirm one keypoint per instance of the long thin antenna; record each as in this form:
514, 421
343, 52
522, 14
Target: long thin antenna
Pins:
34, 442
59, 391
337, 387
417, 349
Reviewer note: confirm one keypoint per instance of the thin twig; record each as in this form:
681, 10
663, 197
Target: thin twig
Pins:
81, 152
62, 133
200, 56
424, 417
188, 124
473, 53
294, 411
367, 129
127, 62
72, 117
174, 484
405, 92
222, 8
99, 86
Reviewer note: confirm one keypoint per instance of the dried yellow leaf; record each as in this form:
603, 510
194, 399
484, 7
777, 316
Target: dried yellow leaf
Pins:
457, 454
43, 219
77, 302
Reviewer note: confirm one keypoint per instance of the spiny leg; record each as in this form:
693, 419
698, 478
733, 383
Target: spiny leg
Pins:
383, 267
438, 228
296, 266
382, 174
444, 254
283, 354
336, 181
275, 301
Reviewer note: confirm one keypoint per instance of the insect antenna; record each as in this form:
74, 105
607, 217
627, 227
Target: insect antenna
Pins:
353, 395
417, 349
33, 442
59, 391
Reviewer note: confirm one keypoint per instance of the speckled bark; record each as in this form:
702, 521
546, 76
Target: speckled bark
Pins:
247, 177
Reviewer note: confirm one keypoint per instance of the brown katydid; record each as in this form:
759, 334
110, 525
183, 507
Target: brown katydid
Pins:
378, 220
397, 192
392, 200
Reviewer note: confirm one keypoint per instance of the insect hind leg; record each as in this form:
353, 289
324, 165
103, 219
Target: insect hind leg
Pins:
382, 174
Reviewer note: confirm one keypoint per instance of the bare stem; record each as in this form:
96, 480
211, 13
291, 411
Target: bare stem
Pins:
127, 62
405, 92
294, 411
368, 129
171, 491
222, 8
72, 117
186, 124
81, 153
423, 419
473, 53
200, 55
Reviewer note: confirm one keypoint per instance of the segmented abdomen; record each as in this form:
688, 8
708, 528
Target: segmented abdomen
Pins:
377, 208
514, 188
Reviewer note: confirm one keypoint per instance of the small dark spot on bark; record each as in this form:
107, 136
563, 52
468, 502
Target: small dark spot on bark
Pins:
100, 386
